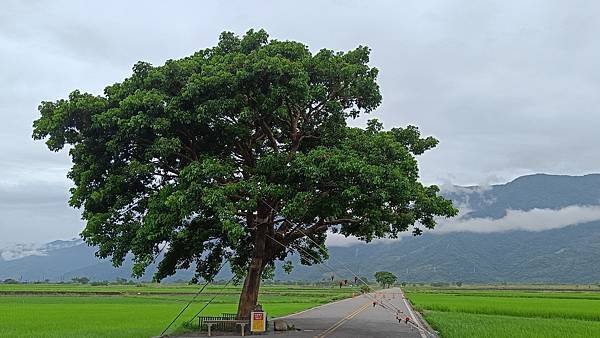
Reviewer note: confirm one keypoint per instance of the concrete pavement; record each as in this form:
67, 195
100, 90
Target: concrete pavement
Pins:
355, 317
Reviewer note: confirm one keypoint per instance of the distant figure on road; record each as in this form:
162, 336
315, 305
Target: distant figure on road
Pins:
355, 280
406, 320
374, 303
332, 278
345, 282
341, 284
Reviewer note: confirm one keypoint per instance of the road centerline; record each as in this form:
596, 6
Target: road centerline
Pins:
343, 320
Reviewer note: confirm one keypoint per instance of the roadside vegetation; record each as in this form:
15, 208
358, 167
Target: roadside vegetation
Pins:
143, 310
512, 311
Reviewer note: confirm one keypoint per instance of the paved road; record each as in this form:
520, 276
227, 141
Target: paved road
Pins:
355, 317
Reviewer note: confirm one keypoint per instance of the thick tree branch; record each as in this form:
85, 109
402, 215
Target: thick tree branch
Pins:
269, 133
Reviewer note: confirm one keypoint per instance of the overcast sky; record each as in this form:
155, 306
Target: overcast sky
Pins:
508, 87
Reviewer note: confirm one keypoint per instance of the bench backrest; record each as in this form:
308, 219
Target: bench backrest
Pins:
225, 322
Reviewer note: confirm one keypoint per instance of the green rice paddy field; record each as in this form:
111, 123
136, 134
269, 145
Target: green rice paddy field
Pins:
459, 312
70, 310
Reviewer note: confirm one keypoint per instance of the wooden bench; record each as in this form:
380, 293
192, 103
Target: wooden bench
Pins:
240, 322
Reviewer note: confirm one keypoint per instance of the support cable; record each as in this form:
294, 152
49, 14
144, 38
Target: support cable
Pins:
193, 299
396, 310
210, 301
332, 269
412, 322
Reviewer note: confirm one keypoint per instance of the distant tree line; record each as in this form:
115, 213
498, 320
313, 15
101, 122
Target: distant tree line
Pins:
75, 280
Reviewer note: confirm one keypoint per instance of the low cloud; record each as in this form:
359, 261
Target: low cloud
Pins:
531, 220
21, 250
341, 240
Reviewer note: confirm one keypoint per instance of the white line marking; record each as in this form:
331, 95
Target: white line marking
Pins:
342, 321
319, 306
412, 315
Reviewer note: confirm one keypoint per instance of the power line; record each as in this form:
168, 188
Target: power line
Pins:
321, 247
213, 298
397, 310
194, 298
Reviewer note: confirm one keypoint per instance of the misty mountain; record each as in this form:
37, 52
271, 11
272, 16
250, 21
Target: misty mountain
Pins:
525, 193
567, 253
23, 250
72, 259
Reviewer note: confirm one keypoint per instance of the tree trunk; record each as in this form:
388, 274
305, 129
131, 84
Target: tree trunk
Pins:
249, 296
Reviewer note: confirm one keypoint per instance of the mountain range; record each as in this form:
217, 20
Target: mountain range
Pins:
535, 229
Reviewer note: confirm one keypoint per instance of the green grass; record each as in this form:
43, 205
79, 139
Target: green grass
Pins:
509, 313
466, 325
119, 311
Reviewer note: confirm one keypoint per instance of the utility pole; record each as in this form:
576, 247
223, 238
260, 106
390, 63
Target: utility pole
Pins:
356, 259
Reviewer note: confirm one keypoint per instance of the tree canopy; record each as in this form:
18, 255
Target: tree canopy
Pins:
385, 278
239, 152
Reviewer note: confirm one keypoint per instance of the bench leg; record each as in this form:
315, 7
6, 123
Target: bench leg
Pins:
243, 330
209, 326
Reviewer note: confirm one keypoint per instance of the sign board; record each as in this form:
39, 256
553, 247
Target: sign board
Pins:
258, 321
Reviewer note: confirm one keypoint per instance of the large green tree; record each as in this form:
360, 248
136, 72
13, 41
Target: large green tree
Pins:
241, 152
385, 278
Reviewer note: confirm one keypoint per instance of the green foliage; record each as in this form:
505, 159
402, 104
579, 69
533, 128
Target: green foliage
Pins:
288, 266
123, 281
385, 278
81, 280
269, 272
204, 157
99, 283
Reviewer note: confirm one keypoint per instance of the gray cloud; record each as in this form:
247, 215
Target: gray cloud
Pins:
36, 211
509, 88
531, 220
